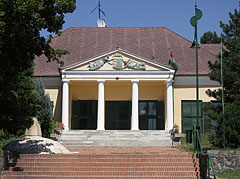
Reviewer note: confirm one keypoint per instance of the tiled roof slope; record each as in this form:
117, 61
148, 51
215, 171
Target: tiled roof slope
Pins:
153, 43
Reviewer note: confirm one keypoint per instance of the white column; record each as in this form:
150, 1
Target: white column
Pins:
134, 122
65, 104
169, 93
101, 104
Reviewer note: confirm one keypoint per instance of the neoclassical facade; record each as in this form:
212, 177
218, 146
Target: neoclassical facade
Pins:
134, 86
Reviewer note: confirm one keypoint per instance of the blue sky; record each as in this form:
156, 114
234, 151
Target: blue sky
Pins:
174, 14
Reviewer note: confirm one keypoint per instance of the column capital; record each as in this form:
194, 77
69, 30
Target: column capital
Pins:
134, 81
101, 81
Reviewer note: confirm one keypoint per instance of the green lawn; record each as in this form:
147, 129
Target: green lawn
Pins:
190, 147
235, 174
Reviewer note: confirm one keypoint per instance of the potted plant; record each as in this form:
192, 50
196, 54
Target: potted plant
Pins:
58, 128
175, 133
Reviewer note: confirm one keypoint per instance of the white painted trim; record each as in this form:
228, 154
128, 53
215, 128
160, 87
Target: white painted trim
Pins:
112, 75
116, 51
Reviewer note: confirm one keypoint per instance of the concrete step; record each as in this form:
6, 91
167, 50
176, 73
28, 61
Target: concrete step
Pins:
116, 138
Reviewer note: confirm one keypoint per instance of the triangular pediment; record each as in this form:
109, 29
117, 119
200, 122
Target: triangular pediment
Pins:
117, 60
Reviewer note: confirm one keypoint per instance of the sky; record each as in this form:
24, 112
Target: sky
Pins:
173, 14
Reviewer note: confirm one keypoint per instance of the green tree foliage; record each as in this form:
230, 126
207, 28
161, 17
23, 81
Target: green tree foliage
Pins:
210, 38
231, 73
44, 115
20, 41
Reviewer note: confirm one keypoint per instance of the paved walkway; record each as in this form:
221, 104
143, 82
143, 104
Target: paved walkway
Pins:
122, 150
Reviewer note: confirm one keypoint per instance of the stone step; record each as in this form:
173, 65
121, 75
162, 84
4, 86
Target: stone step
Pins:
118, 132
115, 138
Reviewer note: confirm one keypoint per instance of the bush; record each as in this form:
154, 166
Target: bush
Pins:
44, 116
232, 127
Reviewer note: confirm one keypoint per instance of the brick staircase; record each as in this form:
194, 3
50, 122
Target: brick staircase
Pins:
166, 164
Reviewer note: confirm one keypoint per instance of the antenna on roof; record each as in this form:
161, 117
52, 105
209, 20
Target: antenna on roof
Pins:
100, 22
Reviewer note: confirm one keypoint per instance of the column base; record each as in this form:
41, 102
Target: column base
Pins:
134, 129
100, 129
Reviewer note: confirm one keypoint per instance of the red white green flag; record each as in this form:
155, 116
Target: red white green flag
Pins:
172, 62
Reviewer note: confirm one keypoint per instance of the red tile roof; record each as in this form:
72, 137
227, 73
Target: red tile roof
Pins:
153, 43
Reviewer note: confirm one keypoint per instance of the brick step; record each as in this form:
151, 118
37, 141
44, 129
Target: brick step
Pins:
106, 164
102, 173
144, 160
64, 156
104, 177
103, 168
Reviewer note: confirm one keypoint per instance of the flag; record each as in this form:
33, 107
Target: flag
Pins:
172, 62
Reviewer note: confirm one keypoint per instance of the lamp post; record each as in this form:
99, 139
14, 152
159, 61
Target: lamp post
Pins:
193, 22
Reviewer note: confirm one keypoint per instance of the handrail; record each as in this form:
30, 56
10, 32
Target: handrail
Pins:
209, 159
198, 143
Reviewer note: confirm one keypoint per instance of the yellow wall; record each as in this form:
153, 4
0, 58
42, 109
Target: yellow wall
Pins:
84, 90
152, 91
118, 91
187, 94
55, 96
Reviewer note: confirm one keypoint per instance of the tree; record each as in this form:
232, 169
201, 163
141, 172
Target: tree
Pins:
44, 115
20, 41
231, 71
210, 38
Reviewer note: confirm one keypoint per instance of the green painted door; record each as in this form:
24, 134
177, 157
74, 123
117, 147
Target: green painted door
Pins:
117, 115
151, 115
189, 115
84, 114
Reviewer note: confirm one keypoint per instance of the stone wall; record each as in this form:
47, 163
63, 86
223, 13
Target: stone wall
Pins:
225, 160
1, 165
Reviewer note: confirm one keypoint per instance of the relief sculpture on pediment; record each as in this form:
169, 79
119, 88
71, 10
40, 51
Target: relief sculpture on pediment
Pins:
117, 64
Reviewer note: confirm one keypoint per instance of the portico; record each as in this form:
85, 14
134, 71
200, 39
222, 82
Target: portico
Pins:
122, 90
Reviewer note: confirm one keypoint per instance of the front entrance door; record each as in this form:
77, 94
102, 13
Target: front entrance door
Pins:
151, 115
84, 114
117, 116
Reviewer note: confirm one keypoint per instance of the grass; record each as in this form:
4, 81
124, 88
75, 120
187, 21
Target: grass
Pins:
231, 174
189, 147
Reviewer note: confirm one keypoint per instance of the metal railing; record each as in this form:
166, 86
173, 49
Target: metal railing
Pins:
198, 148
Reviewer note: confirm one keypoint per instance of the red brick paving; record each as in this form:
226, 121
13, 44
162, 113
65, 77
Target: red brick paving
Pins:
122, 150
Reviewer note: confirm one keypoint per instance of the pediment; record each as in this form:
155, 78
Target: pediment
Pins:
117, 60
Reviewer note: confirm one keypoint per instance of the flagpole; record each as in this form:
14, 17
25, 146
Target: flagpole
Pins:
222, 94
